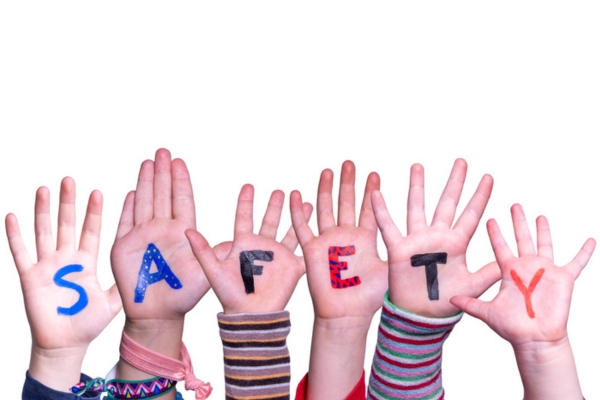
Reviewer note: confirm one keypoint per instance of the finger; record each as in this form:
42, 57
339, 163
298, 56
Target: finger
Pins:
17, 246
204, 253
501, 249
390, 233
290, 241
366, 218
346, 199
90, 232
162, 184
474, 307
469, 219
484, 278
243, 214
270, 221
66, 215
144, 203
44, 243
299, 221
126, 222
544, 239
582, 258
446, 208
325, 218
222, 250
183, 195
415, 217
522, 235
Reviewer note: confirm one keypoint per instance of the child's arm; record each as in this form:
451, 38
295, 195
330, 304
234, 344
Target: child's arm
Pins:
347, 281
532, 308
426, 268
61, 292
158, 276
254, 282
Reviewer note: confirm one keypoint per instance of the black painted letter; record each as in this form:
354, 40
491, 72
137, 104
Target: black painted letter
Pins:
248, 268
430, 261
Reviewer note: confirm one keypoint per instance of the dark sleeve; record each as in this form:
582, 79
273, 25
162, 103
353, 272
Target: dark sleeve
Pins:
35, 390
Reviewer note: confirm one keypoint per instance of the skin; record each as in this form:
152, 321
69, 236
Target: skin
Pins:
407, 284
159, 211
342, 316
541, 344
59, 342
280, 276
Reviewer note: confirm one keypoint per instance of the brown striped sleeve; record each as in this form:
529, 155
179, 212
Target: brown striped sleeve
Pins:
256, 357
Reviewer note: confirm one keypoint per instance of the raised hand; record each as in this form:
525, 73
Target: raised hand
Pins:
428, 265
65, 305
535, 295
358, 290
532, 308
156, 271
346, 278
259, 273
158, 276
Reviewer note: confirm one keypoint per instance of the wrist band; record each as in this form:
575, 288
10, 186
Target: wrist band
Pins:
156, 364
96, 385
149, 388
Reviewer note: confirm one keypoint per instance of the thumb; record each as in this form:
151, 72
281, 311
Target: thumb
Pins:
203, 252
474, 307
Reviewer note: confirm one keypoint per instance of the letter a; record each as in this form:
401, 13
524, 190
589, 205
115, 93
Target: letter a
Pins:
146, 278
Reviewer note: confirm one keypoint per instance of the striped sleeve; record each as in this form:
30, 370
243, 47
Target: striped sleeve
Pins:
408, 358
256, 357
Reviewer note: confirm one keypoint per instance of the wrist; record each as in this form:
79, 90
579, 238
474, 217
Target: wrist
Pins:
337, 356
161, 336
58, 369
342, 331
541, 352
548, 370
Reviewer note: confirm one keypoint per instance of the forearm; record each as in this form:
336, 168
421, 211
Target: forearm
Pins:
337, 357
548, 371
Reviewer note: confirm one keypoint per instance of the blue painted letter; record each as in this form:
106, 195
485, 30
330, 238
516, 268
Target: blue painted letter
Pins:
83, 298
146, 278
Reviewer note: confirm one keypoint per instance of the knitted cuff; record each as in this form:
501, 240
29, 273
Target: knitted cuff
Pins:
256, 357
408, 357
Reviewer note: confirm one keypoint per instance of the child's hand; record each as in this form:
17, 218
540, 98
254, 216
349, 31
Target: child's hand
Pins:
356, 292
428, 266
158, 276
65, 306
535, 294
276, 269
347, 282
532, 308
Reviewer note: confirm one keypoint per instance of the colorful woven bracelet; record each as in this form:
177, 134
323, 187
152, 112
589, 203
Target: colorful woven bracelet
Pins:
150, 388
96, 385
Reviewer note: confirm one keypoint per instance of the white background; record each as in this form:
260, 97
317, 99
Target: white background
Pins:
271, 93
